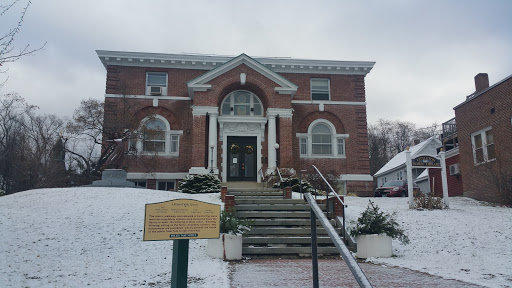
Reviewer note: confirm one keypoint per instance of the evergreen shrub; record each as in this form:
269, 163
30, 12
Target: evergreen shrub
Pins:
374, 221
202, 183
230, 224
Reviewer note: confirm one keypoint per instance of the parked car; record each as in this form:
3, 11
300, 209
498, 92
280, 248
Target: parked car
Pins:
394, 188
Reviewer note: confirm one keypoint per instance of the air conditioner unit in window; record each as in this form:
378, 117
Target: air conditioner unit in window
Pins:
155, 90
454, 169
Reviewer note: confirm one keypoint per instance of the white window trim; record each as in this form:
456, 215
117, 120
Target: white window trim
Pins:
484, 146
334, 141
139, 142
164, 88
311, 88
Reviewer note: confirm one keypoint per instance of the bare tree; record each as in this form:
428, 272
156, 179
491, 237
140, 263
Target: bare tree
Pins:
8, 51
387, 138
96, 132
28, 147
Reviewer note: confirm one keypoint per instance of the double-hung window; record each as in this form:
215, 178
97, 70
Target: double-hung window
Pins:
303, 146
483, 146
156, 83
321, 141
154, 136
320, 89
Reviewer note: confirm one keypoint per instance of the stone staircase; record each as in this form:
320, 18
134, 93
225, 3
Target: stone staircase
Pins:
281, 227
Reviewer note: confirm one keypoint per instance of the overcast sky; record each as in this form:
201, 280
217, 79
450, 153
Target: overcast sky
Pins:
427, 52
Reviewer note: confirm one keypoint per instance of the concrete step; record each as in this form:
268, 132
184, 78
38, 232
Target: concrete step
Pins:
272, 214
255, 240
301, 251
255, 193
273, 207
256, 189
281, 222
286, 231
258, 200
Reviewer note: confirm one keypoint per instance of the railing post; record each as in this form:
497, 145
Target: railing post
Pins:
287, 193
223, 193
314, 249
229, 204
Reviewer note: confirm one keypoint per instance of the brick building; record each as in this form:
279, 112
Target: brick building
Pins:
238, 117
484, 132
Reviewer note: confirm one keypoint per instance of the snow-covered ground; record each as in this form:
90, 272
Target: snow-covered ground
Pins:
78, 237
471, 242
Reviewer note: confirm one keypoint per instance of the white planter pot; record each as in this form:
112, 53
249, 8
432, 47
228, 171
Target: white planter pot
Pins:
227, 247
374, 245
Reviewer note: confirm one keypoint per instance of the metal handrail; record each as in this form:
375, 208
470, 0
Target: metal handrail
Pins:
332, 190
356, 270
279, 173
262, 178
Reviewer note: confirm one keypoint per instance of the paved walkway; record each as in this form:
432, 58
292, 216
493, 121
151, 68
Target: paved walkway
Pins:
297, 273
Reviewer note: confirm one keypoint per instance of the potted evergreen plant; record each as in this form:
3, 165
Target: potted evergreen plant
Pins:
229, 245
374, 230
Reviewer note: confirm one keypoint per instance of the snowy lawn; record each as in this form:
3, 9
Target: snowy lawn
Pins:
471, 242
78, 237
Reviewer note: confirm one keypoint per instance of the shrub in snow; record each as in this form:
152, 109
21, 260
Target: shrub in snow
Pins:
202, 183
230, 224
294, 183
428, 202
374, 221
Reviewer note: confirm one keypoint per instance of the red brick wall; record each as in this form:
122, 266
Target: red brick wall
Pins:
480, 182
353, 122
347, 119
455, 187
285, 142
127, 80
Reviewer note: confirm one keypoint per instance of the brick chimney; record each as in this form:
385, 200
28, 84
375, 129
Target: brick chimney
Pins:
481, 82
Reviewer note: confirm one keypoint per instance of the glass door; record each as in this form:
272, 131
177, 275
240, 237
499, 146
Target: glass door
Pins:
241, 159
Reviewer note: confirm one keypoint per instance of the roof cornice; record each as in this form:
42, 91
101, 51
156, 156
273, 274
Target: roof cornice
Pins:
210, 62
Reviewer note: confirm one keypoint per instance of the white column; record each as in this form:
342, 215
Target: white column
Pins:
212, 140
271, 143
444, 181
410, 189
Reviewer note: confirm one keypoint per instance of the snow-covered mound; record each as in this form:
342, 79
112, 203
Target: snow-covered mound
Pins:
471, 242
78, 237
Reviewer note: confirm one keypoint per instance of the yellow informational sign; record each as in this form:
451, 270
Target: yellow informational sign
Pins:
181, 219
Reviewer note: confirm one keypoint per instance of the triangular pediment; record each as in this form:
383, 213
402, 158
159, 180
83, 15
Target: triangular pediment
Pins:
284, 86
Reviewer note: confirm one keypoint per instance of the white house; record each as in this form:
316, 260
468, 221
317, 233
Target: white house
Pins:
396, 168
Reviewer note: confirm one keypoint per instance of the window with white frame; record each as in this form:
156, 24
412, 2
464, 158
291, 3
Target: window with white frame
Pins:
320, 89
303, 146
321, 141
155, 136
156, 83
241, 103
483, 146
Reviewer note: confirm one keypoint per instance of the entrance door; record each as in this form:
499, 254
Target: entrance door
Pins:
241, 159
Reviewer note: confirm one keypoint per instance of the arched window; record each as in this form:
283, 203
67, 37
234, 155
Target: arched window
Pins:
155, 136
321, 141
241, 103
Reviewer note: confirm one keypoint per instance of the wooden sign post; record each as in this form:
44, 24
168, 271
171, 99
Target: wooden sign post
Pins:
180, 220
426, 161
